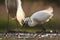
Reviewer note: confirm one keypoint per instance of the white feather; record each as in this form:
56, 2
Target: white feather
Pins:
20, 13
40, 17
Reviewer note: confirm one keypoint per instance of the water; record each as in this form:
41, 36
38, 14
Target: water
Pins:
29, 36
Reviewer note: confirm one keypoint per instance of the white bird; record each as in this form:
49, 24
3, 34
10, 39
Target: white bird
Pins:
39, 17
20, 15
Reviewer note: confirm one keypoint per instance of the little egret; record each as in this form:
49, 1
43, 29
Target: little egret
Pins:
39, 17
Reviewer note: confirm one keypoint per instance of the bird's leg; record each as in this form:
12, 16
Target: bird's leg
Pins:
44, 30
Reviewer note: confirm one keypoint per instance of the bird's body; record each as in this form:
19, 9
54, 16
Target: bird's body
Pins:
39, 17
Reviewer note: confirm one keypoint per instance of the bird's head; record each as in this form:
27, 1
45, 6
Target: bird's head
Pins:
25, 23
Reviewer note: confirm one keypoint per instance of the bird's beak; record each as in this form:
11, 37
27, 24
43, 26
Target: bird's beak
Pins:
25, 24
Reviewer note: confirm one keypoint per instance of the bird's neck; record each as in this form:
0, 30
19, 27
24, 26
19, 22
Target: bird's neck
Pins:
20, 13
19, 5
19, 2
33, 23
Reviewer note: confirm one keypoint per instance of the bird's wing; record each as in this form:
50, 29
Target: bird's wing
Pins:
41, 16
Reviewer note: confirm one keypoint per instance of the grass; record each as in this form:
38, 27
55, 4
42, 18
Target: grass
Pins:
3, 24
53, 24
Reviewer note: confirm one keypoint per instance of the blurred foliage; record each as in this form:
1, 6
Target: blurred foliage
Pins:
57, 2
3, 24
2, 1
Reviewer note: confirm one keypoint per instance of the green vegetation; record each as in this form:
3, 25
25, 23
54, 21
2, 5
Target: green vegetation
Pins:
3, 24
2, 1
53, 24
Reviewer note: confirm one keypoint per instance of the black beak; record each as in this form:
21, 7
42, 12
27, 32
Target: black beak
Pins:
25, 23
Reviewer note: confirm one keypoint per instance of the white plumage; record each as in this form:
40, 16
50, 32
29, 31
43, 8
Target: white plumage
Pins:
39, 17
20, 13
